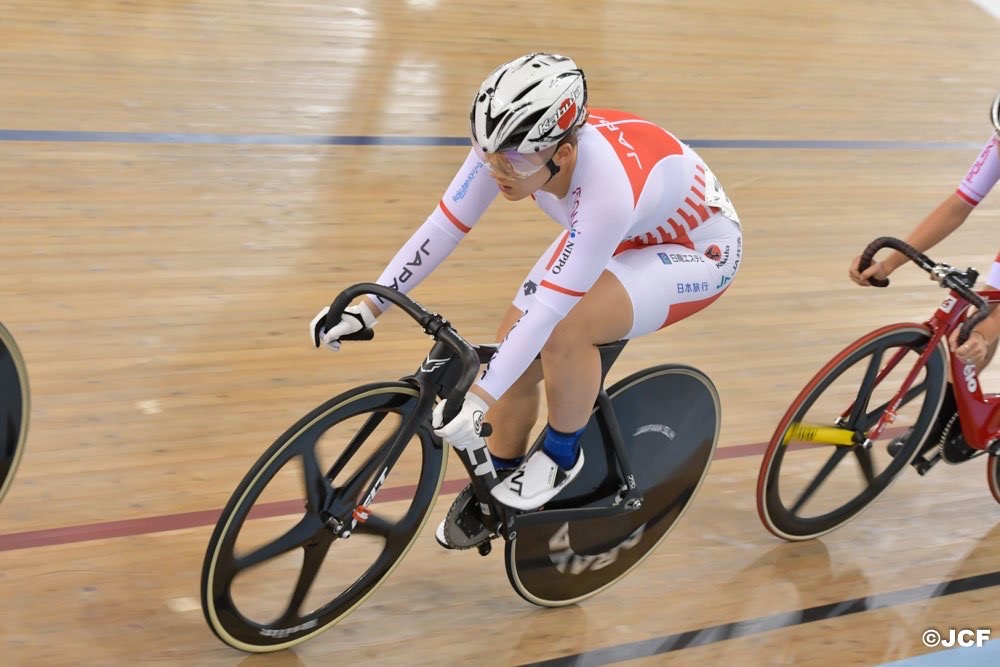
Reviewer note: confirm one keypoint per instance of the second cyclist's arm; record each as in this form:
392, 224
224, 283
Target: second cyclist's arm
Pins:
942, 221
953, 211
464, 202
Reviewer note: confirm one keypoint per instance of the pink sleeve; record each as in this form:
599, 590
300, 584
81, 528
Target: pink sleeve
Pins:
983, 174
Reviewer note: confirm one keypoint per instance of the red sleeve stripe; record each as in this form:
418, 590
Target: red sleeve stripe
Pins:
701, 181
562, 290
455, 221
974, 202
555, 255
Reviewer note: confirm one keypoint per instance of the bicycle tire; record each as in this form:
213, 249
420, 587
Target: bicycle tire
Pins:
554, 564
221, 565
15, 407
786, 522
993, 475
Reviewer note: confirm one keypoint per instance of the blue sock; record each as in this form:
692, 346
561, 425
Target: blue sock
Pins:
563, 448
501, 463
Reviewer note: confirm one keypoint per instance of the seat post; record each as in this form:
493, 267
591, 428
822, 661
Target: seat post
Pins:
609, 353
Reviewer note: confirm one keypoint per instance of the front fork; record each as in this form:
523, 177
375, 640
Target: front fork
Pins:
340, 514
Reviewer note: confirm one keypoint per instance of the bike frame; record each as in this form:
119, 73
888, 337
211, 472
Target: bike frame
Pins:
979, 413
447, 372
437, 374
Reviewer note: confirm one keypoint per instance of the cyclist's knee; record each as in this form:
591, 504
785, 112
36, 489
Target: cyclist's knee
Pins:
520, 393
510, 318
567, 338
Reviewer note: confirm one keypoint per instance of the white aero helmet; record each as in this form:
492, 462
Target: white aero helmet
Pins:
529, 104
995, 114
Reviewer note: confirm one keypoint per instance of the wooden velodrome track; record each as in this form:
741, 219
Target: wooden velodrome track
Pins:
183, 187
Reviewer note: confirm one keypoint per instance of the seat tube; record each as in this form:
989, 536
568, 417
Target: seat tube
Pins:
607, 418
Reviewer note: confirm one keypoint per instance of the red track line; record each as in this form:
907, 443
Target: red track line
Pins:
159, 524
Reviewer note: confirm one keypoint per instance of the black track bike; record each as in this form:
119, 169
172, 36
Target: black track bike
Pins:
365, 468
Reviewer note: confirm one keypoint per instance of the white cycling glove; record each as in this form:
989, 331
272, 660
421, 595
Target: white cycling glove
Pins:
355, 319
464, 431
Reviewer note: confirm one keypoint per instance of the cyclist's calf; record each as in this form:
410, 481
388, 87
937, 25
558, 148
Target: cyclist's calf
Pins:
514, 415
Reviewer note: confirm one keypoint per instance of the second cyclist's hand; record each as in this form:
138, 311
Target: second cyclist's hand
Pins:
972, 351
876, 270
355, 319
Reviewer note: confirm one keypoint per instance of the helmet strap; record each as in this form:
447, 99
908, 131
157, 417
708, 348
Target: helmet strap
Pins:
553, 170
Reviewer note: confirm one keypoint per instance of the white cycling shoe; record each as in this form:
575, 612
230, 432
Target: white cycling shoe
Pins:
536, 482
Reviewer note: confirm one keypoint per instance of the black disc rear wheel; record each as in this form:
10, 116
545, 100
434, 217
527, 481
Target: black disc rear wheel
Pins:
669, 417
14, 408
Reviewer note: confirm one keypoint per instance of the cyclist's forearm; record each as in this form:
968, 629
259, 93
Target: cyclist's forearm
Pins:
465, 200
942, 221
419, 256
523, 343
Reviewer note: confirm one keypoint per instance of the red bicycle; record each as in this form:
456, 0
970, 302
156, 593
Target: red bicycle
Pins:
893, 382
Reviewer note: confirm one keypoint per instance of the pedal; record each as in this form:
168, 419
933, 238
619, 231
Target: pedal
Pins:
484, 548
923, 465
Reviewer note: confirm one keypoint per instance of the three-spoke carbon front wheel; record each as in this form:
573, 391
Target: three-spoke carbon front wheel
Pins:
322, 519
14, 408
820, 470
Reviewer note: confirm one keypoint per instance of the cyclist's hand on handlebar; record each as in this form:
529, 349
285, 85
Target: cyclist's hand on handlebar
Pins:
355, 319
465, 430
973, 351
876, 270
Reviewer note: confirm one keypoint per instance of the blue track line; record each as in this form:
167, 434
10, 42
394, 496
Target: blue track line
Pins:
71, 136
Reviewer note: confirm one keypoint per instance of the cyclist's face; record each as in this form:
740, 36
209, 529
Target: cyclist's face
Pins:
518, 187
518, 175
